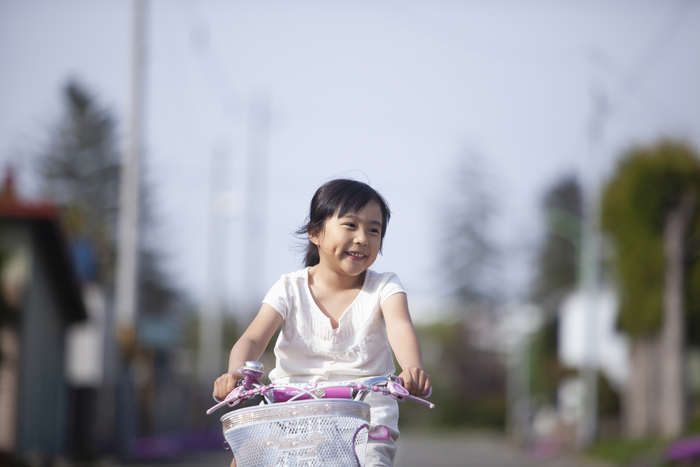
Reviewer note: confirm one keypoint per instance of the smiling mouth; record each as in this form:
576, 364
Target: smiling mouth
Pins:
355, 255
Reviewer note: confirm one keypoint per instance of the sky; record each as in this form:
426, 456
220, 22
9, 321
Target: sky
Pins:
396, 94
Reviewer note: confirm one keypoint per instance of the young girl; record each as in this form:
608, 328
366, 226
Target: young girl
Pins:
338, 317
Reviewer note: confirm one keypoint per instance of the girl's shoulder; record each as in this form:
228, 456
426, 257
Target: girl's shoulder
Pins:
379, 280
378, 276
295, 275
299, 278
288, 288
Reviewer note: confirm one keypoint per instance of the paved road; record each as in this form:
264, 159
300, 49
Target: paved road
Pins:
474, 450
456, 450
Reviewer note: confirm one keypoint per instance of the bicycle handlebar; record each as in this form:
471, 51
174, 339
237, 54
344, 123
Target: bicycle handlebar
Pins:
249, 386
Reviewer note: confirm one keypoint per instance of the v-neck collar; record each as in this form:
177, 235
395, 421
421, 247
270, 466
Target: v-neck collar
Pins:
321, 314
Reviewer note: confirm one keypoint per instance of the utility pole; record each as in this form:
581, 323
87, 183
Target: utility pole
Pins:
127, 247
518, 383
211, 318
256, 197
590, 262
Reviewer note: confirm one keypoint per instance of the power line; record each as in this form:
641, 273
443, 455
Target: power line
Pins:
656, 47
211, 67
628, 82
497, 49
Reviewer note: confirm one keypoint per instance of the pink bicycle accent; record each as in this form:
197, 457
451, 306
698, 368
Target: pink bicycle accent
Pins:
380, 432
279, 394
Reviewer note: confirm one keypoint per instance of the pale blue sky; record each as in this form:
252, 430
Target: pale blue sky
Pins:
390, 92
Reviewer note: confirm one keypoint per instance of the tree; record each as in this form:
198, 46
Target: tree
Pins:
557, 259
471, 375
470, 256
80, 169
555, 278
651, 210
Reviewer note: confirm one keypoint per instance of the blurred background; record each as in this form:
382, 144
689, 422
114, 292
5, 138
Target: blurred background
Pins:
540, 160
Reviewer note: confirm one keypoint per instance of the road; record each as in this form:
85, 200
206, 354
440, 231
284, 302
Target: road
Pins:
474, 450
451, 450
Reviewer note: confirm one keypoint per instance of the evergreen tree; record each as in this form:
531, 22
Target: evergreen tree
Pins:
470, 256
555, 278
80, 170
557, 259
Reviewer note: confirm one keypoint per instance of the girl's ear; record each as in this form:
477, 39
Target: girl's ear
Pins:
315, 236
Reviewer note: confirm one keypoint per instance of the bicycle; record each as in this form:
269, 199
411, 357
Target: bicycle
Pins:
304, 425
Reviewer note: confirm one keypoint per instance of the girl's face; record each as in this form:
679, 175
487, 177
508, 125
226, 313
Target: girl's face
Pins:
348, 245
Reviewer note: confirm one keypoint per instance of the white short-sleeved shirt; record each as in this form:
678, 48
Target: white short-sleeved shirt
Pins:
308, 349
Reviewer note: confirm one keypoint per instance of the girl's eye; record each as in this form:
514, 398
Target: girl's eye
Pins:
350, 224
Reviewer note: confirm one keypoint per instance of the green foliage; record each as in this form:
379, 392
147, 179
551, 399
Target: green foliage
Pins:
694, 426
545, 369
486, 412
557, 259
608, 397
232, 331
648, 184
556, 277
692, 290
468, 387
647, 451
628, 451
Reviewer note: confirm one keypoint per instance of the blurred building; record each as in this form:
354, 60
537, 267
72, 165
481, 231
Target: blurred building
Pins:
66, 388
608, 350
40, 298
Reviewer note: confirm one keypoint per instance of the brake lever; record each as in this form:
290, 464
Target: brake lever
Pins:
233, 398
400, 393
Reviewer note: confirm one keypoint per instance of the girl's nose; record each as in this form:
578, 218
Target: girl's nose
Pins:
361, 238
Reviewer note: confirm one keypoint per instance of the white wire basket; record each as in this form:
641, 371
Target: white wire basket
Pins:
309, 433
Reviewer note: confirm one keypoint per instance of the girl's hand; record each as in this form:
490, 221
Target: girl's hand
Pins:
226, 383
416, 381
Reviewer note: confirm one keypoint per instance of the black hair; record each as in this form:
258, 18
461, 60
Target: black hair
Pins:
340, 197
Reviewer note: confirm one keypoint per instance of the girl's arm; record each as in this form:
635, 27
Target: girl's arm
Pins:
404, 343
250, 346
